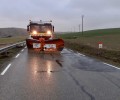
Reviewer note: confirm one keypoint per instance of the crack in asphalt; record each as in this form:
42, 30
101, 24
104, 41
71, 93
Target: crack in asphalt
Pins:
47, 71
80, 86
59, 63
90, 95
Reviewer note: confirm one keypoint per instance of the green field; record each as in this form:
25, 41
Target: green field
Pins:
109, 37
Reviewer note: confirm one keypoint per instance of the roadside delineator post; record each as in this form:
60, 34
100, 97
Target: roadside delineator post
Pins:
100, 46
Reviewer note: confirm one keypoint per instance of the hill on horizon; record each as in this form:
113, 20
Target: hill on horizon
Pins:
91, 33
12, 32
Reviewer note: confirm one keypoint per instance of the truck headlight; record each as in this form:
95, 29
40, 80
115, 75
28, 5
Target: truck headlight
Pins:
49, 32
34, 32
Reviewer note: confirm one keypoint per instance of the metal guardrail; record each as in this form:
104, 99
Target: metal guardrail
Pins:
5, 49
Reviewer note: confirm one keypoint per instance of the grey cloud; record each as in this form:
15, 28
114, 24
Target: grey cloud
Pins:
65, 14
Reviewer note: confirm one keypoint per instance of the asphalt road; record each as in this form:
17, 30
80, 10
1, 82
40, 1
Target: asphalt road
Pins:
65, 76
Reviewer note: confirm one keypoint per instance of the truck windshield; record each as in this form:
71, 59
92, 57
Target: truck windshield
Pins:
41, 28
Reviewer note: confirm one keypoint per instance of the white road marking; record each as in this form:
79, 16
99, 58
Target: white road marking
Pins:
5, 70
17, 55
111, 65
22, 50
81, 54
25, 47
70, 50
65, 51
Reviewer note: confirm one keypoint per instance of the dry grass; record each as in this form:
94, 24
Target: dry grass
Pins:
109, 37
11, 40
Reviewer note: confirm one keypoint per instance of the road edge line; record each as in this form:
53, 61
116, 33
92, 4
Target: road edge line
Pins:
17, 55
111, 65
22, 50
5, 70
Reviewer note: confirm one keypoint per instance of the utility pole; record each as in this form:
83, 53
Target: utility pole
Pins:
82, 24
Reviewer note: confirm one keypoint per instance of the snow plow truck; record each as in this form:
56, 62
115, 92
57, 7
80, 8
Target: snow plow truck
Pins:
41, 37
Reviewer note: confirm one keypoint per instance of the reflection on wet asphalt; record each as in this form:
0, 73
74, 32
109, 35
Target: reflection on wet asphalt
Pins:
59, 76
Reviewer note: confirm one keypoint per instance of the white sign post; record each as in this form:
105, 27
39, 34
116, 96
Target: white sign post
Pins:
100, 44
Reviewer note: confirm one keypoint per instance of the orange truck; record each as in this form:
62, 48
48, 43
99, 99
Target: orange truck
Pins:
41, 37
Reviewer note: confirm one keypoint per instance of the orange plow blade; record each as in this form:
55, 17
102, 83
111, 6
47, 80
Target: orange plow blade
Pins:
45, 45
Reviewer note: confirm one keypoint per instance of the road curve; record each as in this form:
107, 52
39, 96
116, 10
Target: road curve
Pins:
64, 76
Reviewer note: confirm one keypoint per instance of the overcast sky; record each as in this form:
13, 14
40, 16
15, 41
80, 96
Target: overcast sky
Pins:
66, 14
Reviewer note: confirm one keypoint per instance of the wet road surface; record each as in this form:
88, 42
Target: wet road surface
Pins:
65, 76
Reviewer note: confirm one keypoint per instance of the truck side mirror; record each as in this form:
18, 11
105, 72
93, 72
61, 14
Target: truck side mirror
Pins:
53, 28
27, 28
